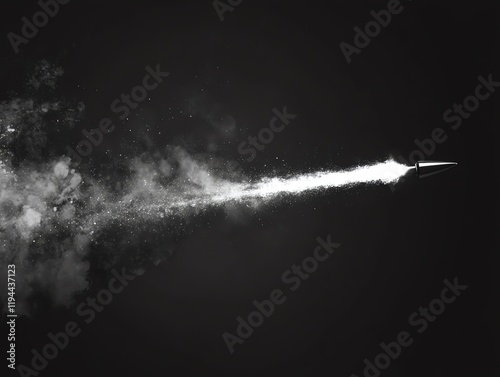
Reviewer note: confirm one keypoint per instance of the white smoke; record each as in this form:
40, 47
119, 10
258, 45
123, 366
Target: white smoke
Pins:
52, 215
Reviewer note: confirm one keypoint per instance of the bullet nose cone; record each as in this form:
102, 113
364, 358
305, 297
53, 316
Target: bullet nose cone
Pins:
427, 168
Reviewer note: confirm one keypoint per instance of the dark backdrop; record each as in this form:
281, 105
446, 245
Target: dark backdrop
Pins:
397, 246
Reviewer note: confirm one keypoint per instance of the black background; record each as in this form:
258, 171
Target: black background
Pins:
397, 247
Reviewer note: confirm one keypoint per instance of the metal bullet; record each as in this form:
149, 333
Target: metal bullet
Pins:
427, 168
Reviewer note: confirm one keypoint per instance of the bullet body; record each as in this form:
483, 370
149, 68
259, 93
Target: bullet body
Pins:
428, 168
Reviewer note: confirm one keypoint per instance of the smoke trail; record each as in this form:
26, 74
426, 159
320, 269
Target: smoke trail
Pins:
47, 211
54, 218
386, 172
211, 191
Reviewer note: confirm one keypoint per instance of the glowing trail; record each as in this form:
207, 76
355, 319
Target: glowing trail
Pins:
219, 192
386, 172
196, 189
58, 213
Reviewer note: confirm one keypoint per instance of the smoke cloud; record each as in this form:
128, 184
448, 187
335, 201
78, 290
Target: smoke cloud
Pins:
58, 220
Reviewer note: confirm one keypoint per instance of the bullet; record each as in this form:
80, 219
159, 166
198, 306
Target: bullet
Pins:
427, 168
